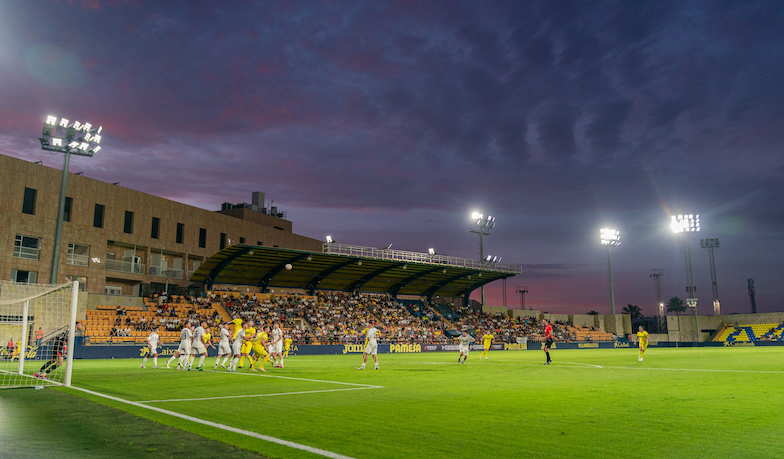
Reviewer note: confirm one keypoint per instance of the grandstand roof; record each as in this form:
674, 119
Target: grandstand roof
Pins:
265, 267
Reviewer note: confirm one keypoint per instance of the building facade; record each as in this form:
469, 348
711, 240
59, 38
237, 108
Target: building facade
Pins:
117, 240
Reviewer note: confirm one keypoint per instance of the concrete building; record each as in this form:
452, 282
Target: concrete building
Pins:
117, 240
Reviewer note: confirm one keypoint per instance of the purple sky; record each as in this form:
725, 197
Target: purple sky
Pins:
381, 122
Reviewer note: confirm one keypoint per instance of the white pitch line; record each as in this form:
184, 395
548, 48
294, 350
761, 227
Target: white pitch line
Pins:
47, 380
584, 364
258, 395
290, 444
700, 369
295, 379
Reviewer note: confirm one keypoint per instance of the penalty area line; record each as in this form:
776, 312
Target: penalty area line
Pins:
290, 444
263, 375
259, 395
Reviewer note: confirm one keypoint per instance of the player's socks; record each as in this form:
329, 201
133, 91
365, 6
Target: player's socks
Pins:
171, 360
225, 359
201, 361
155, 361
548, 356
242, 361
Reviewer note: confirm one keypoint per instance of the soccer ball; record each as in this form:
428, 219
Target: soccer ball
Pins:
288, 266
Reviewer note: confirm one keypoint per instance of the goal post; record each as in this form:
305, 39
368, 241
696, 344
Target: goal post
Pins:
37, 334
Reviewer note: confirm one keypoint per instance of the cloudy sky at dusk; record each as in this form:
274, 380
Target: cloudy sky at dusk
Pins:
381, 122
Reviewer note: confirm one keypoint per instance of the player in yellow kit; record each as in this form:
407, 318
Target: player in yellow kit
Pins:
642, 339
260, 349
487, 340
250, 332
286, 346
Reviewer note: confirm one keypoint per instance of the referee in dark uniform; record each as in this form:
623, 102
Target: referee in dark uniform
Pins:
548, 340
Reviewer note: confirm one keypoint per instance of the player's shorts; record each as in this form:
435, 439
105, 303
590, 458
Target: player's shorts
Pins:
224, 348
236, 348
464, 350
184, 348
644, 345
548, 343
259, 351
153, 349
277, 348
198, 348
487, 347
246, 347
371, 348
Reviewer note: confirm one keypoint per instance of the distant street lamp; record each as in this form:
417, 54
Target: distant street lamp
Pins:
481, 225
610, 238
63, 136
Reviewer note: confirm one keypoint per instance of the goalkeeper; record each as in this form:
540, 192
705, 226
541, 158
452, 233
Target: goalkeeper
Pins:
59, 351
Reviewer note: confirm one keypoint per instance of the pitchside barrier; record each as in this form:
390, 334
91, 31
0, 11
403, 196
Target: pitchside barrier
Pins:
138, 351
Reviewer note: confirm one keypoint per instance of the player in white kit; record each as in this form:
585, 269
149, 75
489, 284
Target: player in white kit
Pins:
186, 344
371, 345
199, 346
236, 347
179, 353
152, 342
224, 349
465, 341
276, 346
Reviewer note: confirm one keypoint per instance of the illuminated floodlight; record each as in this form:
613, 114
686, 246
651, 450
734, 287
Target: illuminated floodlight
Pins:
96, 149
57, 142
330, 240
489, 258
73, 145
685, 223
64, 122
77, 125
84, 146
476, 216
610, 237
431, 251
97, 138
86, 127
51, 120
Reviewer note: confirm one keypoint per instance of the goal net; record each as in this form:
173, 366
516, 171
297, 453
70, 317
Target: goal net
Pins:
37, 334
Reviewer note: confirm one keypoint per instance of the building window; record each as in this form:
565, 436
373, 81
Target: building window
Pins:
128, 225
156, 224
82, 282
180, 233
202, 238
112, 290
26, 247
67, 212
98, 217
28, 206
242, 240
78, 254
222, 241
23, 277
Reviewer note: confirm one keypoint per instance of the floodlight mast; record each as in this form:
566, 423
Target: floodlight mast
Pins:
711, 245
481, 225
687, 224
610, 238
81, 140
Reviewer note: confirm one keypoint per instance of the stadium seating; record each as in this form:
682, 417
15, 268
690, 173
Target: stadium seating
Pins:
752, 332
327, 318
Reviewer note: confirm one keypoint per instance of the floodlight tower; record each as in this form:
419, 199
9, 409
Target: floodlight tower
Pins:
656, 274
713, 244
522, 290
687, 224
481, 225
610, 238
752, 296
63, 136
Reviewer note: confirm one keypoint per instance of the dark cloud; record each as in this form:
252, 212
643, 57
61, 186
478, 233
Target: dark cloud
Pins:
559, 116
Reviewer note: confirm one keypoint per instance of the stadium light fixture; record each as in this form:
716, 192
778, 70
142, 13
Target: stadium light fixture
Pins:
431, 251
330, 240
63, 136
610, 238
481, 225
685, 225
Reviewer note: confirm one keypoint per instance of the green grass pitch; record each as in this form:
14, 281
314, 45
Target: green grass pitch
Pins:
705, 402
